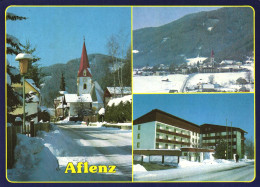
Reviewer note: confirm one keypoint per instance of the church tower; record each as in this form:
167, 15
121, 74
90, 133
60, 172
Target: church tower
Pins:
84, 80
212, 58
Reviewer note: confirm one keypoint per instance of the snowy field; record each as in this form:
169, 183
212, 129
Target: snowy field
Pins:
208, 170
226, 80
179, 82
45, 157
154, 84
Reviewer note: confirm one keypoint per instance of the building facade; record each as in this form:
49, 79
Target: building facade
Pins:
212, 134
158, 130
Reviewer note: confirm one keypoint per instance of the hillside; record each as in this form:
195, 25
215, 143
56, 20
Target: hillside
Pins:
228, 31
99, 65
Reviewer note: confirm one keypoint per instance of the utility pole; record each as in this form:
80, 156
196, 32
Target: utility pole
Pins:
227, 137
231, 142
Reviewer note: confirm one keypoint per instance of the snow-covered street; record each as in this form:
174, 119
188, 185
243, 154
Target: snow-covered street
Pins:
98, 146
73, 142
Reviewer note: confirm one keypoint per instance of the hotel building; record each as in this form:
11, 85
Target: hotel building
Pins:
159, 131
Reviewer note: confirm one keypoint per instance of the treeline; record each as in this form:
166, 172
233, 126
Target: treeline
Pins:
119, 113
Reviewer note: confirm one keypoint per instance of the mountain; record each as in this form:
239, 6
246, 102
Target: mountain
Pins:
227, 31
100, 66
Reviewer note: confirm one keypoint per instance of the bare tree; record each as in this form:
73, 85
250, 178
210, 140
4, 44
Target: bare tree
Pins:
123, 39
248, 76
113, 47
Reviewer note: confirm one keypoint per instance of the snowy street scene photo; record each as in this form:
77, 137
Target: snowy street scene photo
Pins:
69, 96
45, 157
193, 49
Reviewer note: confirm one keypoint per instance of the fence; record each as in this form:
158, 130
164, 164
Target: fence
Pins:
30, 130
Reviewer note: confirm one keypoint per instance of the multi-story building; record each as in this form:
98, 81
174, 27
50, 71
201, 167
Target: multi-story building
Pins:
212, 134
159, 130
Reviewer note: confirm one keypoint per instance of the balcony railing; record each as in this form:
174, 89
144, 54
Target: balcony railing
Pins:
173, 133
218, 137
172, 141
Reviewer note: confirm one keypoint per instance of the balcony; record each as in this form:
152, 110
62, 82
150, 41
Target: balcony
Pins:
172, 133
218, 137
172, 141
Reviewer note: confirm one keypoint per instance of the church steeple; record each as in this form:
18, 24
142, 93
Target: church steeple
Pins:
84, 63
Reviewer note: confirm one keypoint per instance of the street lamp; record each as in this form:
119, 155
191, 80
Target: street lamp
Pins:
23, 59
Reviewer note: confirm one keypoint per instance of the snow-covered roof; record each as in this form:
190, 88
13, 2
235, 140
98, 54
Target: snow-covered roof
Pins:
63, 92
74, 98
101, 111
32, 98
194, 61
227, 62
118, 90
208, 86
32, 83
116, 101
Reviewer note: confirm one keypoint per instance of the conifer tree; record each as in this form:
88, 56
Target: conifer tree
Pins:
33, 68
14, 99
62, 83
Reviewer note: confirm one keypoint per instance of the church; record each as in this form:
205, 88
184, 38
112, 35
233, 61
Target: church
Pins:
88, 100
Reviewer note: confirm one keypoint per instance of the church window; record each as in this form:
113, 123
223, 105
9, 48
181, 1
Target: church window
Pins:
85, 86
84, 73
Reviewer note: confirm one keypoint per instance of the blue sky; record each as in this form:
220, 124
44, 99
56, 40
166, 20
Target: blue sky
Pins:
57, 32
202, 108
157, 16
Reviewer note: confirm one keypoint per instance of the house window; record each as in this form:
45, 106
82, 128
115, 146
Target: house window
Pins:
167, 128
138, 145
84, 73
158, 126
157, 136
157, 145
85, 86
139, 127
167, 137
138, 136
166, 146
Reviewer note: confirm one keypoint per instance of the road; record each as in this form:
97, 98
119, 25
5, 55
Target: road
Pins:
241, 173
97, 146
183, 88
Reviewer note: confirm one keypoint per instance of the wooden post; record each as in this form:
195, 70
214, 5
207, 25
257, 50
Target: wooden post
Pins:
162, 159
149, 158
178, 159
142, 159
32, 128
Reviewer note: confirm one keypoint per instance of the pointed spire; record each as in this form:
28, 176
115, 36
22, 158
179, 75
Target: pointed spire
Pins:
212, 53
84, 63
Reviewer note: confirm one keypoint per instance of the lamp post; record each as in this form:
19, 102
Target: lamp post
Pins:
23, 59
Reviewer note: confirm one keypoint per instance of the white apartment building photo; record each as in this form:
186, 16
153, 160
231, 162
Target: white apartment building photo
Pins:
158, 133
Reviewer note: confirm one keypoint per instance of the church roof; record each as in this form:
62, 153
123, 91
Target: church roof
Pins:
74, 98
84, 64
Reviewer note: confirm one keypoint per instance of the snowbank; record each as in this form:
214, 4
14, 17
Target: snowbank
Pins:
117, 101
138, 168
187, 169
33, 161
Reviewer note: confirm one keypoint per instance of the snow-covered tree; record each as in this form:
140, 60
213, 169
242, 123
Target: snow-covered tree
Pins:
14, 99
34, 72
